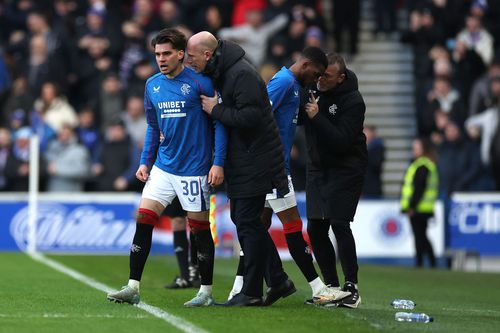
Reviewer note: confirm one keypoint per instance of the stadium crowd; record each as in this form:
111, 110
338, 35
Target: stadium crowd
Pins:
80, 66
457, 73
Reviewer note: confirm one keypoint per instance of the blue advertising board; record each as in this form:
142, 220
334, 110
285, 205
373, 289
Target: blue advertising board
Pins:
474, 223
70, 223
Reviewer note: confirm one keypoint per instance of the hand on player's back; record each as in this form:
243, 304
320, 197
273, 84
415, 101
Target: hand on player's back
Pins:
208, 103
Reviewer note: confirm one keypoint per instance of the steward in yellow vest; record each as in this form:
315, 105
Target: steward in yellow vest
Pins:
418, 197
420, 188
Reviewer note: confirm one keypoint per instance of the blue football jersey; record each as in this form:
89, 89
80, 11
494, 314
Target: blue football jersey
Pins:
284, 93
173, 107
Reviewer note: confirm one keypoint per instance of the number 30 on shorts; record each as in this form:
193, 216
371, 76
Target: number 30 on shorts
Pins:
190, 188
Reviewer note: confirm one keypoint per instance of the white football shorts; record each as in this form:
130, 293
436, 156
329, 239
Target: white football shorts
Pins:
192, 191
279, 204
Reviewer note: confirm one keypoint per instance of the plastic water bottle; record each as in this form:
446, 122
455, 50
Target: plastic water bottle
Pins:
403, 304
414, 317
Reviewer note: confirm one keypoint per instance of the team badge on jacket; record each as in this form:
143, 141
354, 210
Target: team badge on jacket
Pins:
333, 109
185, 89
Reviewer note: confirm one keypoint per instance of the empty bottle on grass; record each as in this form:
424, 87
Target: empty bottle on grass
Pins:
403, 304
414, 317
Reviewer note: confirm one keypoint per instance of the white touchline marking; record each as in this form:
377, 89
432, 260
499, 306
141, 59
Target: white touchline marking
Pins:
65, 315
180, 323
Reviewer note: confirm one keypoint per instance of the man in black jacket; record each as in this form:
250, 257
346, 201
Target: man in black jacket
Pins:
255, 162
337, 159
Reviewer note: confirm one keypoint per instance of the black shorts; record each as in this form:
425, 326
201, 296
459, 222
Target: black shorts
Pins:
174, 209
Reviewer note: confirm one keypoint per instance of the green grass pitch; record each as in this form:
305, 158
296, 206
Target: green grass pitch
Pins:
36, 298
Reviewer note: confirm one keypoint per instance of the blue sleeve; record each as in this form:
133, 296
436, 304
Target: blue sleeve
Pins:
220, 146
206, 87
277, 89
152, 139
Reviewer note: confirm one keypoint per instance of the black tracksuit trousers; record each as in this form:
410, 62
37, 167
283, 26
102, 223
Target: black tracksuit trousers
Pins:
257, 246
324, 251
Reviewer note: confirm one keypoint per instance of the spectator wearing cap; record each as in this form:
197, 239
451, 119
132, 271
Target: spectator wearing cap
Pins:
68, 162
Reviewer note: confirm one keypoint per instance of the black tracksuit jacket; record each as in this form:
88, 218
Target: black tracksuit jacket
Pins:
255, 162
337, 154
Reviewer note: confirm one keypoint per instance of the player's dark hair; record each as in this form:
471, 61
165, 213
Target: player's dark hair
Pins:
172, 36
316, 55
335, 58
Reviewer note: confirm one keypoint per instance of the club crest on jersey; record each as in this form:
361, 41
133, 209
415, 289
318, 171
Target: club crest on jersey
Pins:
156, 89
333, 109
185, 89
